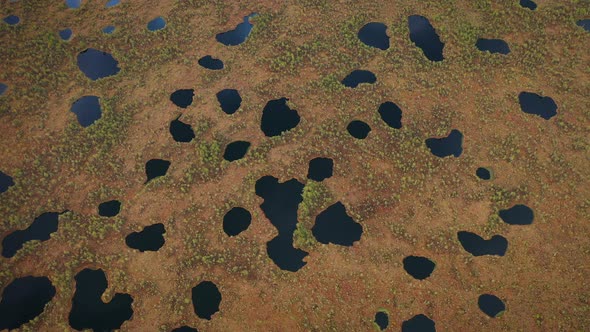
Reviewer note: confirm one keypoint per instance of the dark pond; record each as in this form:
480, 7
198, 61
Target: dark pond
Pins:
528, 4
109, 208
11, 20
6, 182
236, 150
517, 215
229, 100
156, 24
97, 64
3, 88
492, 45
89, 311
24, 299
151, 238
277, 117
533, 103
419, 323
418, 267
155, 168
236, 221
181, 132
320, 169
109, 29
184, 329
112, 3
358, 129
334, 225
40, 229
451, 145
477, 246
483, 173
373, 34
65, 34
391, 114
87, 110
74, 4
206, 299
210, 62
491, 305
382, 320
237, 35
422, 34
585, 24
182, 98
281, 201
357, 77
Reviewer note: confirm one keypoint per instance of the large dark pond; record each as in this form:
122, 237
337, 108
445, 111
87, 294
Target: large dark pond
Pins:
185, 329
181, 132
97, 64
382, 320
391, 114
422, 34
151, 238
155, 168
477, 246
491, 305
281, 201
211, 63
517, 215
40, 229
334, 225
483, 173
419, 323
358, 129
278, 117
229, 100
236, 221
89, 311
87, 110
206, 299
182, 98
24, 299
357, 77
374, 34
109, 208
451, 145
237, 35
6, 182
320, 169
492, 45
528, 4
236, 150
533, 103
584, 24
156, 24
418, 267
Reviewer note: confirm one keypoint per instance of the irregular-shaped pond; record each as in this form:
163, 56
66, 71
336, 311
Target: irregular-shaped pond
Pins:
391, 114
237, 35
156, 24
419, 323
155, 168
374, 34
97, 64
334, 225
529, 4
24, 299
236, 150
151, 238
584, 24
422, 34
181, 132
492, 46
87, 110
40, 229
211, 63
517, 215
109, 208
358, 129
533, 103
236, 221
491, 305
278, 117
418, 267
206, 299
320, 169
6, 182
452, 145
477, 246
65, 34
182, 98
357, 77
382, 320
229, 100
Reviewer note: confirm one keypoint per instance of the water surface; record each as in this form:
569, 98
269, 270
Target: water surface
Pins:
40, 229
109, 208
374, 34
357, 77
532, 103
483, 173
418, 267
334, 225
528, 4
12, 20
97, 64
155, 168
452, 145
236, 221
422, 34
65, 34
184, 329
584, 24
477, 246
112, 3
109, 29
206, 299
156, 24
278, 117
3, 88
419, 323
6, 182
491, 305
492, 46
236, 150
517, 215
182, 98
23, 299
87, 110
229, 100
320, 169
237, 35
151, 238
73, 4
211, 63
181, 132
358, 129
391, 114
382, 320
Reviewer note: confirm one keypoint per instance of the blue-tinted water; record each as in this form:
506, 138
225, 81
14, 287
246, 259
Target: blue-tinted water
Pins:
97, 64
517, 215
373, 34
88, 311
112, 3
382, 320
181, 132
422, 34
229, 100
584, 24
151, 238
357, 77
73, 4
391, 114
6, 182
3, 88
491, 305
109, 208
320, 169
155, 168
182, 98
206, 299
334, 225
492, 45
184, 329
87, 110
533, 103
236, 150
211, 63
483, 173
12, 20
281, 201
65, 34
451, 145
358, 129
237, 35
277, 117
23, 299
528, 4
156, 24
477, 246
109, 29
40, 229
419, 323
236, 221
418, 267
